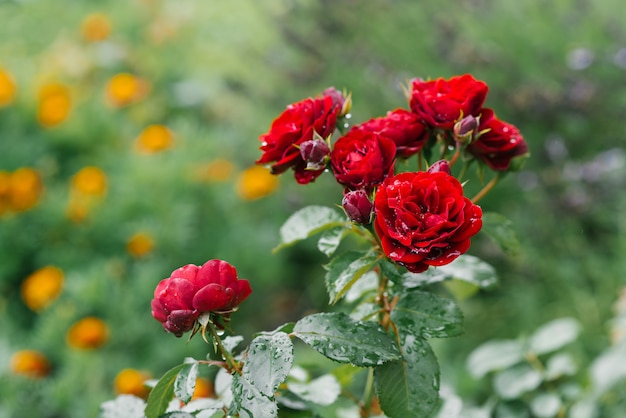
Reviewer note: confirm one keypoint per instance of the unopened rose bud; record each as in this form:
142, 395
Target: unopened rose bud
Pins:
440, 166
358, 206
339, 99
465, 129
315, 152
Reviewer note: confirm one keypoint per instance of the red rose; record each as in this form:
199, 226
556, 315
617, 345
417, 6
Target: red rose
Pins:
440, 103
424, 220
295, 125
402, 127
498, 143
192, 290
361, 160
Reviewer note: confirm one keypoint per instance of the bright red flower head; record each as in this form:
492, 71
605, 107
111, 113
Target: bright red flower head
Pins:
362, 160
297, 124
402, 127
192, 290
440, 103
424, 220
500, 142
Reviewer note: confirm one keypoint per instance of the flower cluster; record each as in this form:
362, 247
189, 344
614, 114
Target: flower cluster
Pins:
422, 218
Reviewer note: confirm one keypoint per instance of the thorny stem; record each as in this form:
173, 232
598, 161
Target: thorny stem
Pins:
486, 189
231, 363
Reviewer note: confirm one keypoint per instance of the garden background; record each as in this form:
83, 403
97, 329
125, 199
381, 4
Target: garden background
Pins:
128, 135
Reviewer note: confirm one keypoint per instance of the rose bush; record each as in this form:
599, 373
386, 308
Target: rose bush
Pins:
300, 122
424, 220
192, 290
440, 103
498, 142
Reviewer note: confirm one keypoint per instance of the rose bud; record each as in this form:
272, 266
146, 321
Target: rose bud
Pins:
465, 129
339, 99
441, 165
193, 290
358, 206
315, 153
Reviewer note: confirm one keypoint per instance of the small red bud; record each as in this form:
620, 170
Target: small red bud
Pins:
358, 206
339, 99
315, 152
440, 166
465, 129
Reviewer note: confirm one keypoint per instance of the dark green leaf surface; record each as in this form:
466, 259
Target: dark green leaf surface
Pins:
427, 315
249, 402
501, 230
345, 269
466, 268
409, 388
340, 338
308, 221
330, 240
162, 393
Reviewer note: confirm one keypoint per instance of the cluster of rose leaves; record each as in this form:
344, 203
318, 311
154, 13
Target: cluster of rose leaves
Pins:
421, 218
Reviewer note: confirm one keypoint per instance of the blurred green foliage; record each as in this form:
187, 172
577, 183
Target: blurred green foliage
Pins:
218, 74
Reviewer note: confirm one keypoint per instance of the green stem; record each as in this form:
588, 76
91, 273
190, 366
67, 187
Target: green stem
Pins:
486, 189
368, 395
420, 163
463, 171
230, 360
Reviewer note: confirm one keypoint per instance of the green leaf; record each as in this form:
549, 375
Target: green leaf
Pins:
427, 315
177, 414
307, 222
561, 364
249, 402
329, 240
338, 337
321, 391
161, 394
500, 229
554, 335
185, 382
494, 355
231, 342
546, 405
511, 409
514, 382
609, 368
126, 406
268, 363
345, 269
466, 268
409, 387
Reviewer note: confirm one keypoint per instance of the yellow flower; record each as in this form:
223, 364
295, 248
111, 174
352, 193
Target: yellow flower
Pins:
25, 188
7, 88
131, 382
218, 170
204, 389
78, 209
88, 333
155, 138
30, 363
54, 104
42, 287
90, 181
256, 182
96, 27
140, 244
124, 89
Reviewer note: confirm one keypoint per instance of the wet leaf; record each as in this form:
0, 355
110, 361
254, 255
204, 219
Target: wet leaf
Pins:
514, 382
161, 395
345, 269
546, 405
127, 406
501, 230
409, 388
466, 268
249, 402
609, 368
307, 222
321, 391
427, 315
268, 363
342, 339
494, 355
330, 239
185, 382
554, 335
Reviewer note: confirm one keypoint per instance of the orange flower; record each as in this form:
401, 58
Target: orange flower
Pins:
25, 188
216, 171
140, 244
42, 287
30, 363
77, 210
90, 181
131, 382
124, 89
96, 27
204, 389
155, 138
7, 88
54, 104
88, 333
256, 182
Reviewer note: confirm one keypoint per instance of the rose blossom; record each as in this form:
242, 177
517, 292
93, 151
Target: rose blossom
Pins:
402, 127
192, 290
361, 160
358, 206
499, 142
424, 220
297, 124
440, 103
